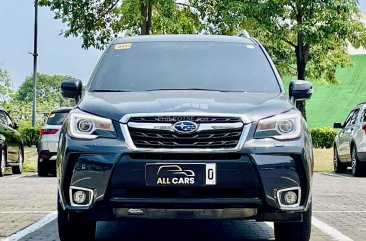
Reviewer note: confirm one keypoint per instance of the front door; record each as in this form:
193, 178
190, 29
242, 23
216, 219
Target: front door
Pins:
346, 135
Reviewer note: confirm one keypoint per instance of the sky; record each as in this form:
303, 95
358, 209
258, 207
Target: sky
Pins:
57, 55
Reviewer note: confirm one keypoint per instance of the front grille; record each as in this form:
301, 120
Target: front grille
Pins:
167, 139
223, 132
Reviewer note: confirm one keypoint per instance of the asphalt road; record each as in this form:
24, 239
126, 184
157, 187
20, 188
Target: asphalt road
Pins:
339, 214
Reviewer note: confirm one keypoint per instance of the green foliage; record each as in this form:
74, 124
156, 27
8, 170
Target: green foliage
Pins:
323, 137
98, 21
30, 135
48, 90
48, 98
307, 38
6, 89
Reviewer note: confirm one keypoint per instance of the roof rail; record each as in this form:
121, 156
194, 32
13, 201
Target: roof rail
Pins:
243, 33
126, 33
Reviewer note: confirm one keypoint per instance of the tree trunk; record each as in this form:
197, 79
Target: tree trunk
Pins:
146, 13
302, 55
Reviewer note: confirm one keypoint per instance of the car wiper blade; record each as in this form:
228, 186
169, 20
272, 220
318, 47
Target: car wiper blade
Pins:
197, 89
110, 91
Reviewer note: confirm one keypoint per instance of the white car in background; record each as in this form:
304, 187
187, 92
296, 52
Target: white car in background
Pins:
350, 143
48, 141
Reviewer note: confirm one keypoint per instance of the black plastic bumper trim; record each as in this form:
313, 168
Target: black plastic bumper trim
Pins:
209, 201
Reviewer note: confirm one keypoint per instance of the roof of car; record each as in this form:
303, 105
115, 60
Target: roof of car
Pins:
62, 109
183, 38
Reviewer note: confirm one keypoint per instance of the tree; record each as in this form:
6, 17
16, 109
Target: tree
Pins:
305, 37
6, 89
98, 21
48, 97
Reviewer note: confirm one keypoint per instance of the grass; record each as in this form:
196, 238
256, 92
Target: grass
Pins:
30, 159
332, 103
323, 160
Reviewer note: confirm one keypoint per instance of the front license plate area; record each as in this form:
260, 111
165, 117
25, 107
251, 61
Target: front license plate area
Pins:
173, 174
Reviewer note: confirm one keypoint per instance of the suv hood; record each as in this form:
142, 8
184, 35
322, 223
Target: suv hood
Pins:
114, 105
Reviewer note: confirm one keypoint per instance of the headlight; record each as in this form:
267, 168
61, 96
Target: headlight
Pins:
87, 126
281, 127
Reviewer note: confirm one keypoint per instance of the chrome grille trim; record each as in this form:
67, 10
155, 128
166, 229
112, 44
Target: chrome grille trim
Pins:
127, 117
244, 128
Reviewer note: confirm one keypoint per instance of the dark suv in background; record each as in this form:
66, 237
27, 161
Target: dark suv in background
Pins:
11, 145
185, 126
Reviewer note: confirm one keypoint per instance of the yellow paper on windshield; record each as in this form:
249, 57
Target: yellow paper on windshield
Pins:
52, 115
123, 46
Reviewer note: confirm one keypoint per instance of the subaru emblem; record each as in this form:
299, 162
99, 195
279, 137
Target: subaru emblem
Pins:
185, 126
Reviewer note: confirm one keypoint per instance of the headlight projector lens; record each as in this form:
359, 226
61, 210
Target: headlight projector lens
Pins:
285, 126
85, 125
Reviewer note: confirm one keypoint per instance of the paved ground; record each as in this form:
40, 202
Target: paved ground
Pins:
24, 199
339, 214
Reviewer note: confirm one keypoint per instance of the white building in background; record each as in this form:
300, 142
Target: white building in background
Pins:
351, 50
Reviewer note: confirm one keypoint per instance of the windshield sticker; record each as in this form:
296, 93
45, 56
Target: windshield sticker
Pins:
123, 46
52, 115
249, 46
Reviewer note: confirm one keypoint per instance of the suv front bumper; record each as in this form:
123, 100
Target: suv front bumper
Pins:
247, 180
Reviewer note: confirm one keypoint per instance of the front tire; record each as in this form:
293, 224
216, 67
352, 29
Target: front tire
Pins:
73, 228
2, 163
19, 169
358, 169
339, 167
294, 231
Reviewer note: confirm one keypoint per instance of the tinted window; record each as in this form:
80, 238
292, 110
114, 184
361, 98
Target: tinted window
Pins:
9, 120
354, 117
3, 119
363, 117
57, 118
185, 65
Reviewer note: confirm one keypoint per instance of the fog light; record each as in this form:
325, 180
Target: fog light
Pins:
290, 197
79, 197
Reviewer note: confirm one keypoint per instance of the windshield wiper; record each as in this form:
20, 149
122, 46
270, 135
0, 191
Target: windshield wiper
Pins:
197, 89
110, 91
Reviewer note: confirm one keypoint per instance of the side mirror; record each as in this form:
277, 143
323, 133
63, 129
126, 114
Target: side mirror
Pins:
300, 90
15, 125
337, 126
72, 89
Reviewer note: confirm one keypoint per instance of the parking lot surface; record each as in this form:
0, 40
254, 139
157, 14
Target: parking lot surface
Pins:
339, 214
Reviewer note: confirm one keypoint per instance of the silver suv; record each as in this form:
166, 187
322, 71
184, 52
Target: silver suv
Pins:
48, 141
350, 142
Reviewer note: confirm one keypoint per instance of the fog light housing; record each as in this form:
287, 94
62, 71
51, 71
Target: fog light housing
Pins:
289, 198
81, 197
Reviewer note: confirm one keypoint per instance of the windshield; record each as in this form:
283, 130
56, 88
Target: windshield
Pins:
221, 66
57, 118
